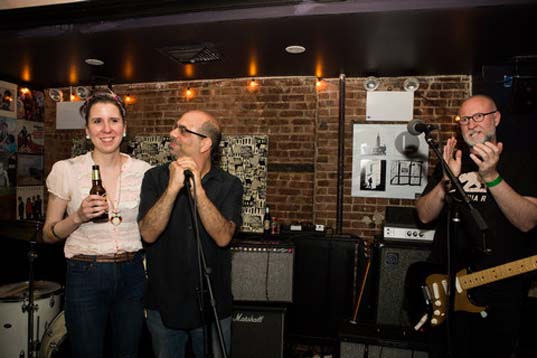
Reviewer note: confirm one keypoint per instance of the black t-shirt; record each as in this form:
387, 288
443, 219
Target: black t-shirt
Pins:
506, 241
172, 261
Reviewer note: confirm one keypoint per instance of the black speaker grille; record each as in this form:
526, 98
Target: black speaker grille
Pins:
394, 261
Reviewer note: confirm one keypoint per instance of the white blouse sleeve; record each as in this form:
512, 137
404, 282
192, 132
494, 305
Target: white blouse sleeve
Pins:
58, 182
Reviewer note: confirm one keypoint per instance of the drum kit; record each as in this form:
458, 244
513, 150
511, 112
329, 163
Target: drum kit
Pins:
31, 324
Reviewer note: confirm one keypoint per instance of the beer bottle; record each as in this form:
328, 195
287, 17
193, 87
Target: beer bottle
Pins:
97, 188
267, 222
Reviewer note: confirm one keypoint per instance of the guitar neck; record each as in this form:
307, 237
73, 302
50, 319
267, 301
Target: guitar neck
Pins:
500, 272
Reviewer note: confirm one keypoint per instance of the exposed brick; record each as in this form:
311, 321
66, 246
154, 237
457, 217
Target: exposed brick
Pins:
302, 124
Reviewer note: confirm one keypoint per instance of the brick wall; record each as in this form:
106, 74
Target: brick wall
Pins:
302, 124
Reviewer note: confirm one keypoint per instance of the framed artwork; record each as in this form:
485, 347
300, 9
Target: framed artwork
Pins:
246, 158
8, 135
388, 162
29, 169
8, 170
30, 136
30, 203
8, 99
31, 106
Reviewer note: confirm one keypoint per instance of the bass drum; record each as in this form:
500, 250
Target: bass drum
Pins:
55, 343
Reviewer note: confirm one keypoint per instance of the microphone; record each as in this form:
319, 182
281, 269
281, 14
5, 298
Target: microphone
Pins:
417, 126
188, 174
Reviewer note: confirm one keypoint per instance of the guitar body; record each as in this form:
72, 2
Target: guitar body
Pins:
426, 294
438, 286
434, 292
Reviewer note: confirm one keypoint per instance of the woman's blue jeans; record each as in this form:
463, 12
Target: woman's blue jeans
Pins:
100, 294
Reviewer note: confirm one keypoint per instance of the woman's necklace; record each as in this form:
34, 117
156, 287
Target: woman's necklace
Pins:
115, 217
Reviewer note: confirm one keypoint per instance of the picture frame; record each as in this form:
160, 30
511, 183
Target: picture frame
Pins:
8, 99
388, 162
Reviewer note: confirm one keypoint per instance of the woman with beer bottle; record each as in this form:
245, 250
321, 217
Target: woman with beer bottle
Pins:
93, 205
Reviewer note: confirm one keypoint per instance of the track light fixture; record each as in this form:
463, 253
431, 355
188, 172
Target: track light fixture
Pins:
371, 83
55, 94
82, 92
411, 84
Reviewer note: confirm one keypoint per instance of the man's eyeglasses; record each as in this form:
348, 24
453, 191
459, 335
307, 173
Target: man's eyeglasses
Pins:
185, 130
476, 117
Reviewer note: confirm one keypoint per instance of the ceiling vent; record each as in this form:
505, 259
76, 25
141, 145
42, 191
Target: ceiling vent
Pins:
199, 53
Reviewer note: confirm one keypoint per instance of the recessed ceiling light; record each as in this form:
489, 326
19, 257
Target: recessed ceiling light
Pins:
295, 49
94, 62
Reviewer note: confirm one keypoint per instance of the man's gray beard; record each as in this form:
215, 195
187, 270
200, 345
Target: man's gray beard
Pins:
488, 138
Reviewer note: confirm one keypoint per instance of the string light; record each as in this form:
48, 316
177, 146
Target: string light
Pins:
129, 99
318, 83
189, 93
72, 96
25, 90
253, 83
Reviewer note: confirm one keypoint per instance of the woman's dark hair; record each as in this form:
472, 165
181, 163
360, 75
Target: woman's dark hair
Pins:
103, 97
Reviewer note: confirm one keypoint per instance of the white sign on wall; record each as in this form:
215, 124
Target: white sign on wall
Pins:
389, 106
68, 115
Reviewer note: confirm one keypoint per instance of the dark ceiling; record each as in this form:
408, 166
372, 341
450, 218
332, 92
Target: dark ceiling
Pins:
46, 46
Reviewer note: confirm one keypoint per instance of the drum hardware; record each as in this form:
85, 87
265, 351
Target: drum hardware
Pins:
13, 325
54, 339
29, 230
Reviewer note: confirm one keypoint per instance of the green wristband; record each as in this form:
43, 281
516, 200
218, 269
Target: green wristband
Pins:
493, 183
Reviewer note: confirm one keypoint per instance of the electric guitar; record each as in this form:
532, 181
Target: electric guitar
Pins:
434, 293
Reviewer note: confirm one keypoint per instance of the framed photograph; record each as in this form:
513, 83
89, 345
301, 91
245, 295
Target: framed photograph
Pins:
30, 136
29, 204
388, 162
31, 106
8, 135
29, 169
8, 99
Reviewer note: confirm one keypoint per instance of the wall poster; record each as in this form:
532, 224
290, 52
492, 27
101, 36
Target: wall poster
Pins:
388, 162
30, 202
8, 99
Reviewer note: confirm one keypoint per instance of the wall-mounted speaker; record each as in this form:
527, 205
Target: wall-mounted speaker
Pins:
393, 262
262, 272
257, 331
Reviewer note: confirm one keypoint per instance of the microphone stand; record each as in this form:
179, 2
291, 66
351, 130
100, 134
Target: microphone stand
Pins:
205, 272
454, 198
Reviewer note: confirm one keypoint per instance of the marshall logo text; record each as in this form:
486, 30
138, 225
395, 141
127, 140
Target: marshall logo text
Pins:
248, 318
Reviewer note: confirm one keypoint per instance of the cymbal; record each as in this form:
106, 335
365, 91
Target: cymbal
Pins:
27, 230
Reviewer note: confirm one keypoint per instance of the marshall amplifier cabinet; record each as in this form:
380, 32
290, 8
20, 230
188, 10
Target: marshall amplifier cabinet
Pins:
402, 224
257, 331
262, 271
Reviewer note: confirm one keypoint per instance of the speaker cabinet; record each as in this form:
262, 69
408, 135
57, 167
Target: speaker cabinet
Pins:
394, 260
378, 341
327, 270
257, 332
262, 272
